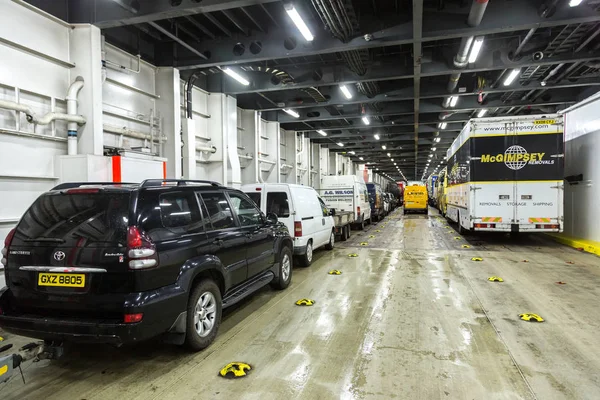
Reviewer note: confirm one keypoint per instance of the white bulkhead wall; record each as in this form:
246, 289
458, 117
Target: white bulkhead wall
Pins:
582, 145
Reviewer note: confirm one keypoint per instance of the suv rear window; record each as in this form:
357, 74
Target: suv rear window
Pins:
179, 212
92, 217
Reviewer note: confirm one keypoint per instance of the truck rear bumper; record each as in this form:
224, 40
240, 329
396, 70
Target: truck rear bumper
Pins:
525, 228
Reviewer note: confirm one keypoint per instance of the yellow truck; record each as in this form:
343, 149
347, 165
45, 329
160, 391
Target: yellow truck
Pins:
415, 199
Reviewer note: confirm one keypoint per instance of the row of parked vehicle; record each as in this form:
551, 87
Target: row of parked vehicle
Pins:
121, 263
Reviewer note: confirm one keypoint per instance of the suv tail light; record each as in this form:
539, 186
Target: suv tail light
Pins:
7, 241
298, 229
140, 249
132, 318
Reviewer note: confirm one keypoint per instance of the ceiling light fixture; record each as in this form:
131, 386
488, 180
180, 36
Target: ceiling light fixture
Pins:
360, 158
437, 139
511, 77
236, 76
365, 120
475, 49
389, 154
299, 22
442, 125
340, 144
481, 112
383, 147
346, 91
322, 132
575, 3
352, 152
376, 136
433, 149
291, 112
392, 160
453, 101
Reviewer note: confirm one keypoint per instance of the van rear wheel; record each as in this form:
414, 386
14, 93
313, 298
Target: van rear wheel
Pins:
306, 258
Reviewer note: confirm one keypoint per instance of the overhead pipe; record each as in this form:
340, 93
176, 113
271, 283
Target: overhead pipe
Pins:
462, 57
524, 42
188, 91
72, 111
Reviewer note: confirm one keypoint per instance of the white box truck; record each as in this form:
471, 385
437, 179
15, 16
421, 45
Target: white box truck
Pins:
505, 174
347, 193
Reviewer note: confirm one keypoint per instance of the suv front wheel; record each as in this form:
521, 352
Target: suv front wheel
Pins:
203, 315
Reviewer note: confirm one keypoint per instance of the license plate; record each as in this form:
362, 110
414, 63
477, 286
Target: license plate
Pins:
62, 280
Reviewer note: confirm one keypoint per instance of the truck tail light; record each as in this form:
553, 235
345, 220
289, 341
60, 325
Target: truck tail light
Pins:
547, 226
358, 212
140, 249
7, 241
298, 229
491, 226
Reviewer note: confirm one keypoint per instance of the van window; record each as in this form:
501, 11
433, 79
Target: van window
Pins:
255, 196
246, 212
179, 212
219, 211
278, 204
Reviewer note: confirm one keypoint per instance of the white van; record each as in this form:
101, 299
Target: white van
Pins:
347, 193
301, 210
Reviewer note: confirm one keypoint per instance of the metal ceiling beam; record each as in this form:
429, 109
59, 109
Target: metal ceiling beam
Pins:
466, 104
176, 39
417, 57
406, 93
436, 26
109, 14
403, 121
390, 70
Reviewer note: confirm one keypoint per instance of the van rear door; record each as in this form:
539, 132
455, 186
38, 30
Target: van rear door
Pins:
539, 178
68, 252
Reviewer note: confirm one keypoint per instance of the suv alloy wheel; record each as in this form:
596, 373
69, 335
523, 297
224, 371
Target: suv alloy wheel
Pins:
203, 315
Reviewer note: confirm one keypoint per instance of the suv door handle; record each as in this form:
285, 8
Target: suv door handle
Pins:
218, 242
249, 235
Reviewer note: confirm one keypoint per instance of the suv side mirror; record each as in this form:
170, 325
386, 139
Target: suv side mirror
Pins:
272, 218
332, 212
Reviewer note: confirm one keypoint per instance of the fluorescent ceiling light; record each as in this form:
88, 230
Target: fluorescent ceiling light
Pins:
384, 147
437, 139
442, 125
511, 77
481, 112
365, 120
346, 92
431, 155
389, 155
322, 132
236, 76
477, 43
291, 112
340, 144
392, 160
352, 152
299, 22
394, 163
360, 158
433, 149
376, 136
453, 101
575, 3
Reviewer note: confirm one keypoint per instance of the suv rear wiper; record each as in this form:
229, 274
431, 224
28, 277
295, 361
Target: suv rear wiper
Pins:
45, 239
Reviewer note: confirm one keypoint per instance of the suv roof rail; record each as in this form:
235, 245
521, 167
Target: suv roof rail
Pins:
180, 182
71, 185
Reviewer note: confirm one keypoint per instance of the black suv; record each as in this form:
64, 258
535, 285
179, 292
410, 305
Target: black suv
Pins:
120, 263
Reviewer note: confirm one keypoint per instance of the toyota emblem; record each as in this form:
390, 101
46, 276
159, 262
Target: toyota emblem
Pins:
59, 255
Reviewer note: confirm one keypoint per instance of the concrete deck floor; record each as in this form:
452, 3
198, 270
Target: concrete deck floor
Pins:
412, 317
